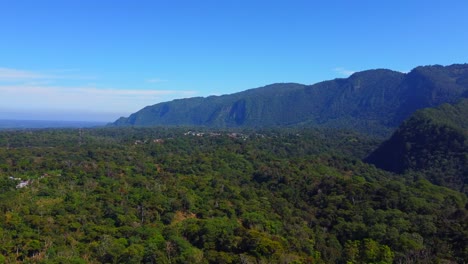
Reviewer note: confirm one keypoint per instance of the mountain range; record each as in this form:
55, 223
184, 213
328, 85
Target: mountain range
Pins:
372, 101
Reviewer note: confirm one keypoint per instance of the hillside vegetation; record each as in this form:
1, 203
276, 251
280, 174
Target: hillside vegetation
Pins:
177, 196
432, 143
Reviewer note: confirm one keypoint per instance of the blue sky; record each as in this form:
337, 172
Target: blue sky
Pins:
98, 60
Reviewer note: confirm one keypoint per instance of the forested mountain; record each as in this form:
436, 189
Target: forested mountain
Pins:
159, 195
373, 101
433, 142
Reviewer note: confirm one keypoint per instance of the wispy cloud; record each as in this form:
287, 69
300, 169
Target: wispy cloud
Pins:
344, 72
7, 74
156, 80
56, 97
17, 75
62, 91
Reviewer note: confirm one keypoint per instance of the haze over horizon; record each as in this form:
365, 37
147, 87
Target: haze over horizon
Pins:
99, 60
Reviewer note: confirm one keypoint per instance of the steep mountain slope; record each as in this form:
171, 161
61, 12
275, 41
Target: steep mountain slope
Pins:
372, 101
432, 141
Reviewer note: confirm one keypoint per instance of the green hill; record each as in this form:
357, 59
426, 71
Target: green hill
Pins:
373, 101
433, 142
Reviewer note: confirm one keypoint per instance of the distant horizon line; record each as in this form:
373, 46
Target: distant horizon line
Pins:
52, 120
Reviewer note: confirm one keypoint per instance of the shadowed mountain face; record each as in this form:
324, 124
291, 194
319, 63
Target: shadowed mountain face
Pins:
432, 141
373, 101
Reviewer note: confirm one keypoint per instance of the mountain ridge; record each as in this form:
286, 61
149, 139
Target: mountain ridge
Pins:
372, 101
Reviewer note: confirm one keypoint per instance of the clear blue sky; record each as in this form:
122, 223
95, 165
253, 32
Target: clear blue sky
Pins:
98, 60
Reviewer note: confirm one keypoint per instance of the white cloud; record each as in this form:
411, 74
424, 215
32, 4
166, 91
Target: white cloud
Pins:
84, 98
7, 74
344, 72
33, 92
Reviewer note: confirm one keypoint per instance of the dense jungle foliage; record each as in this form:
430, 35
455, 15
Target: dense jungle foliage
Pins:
433, 142
156, 195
